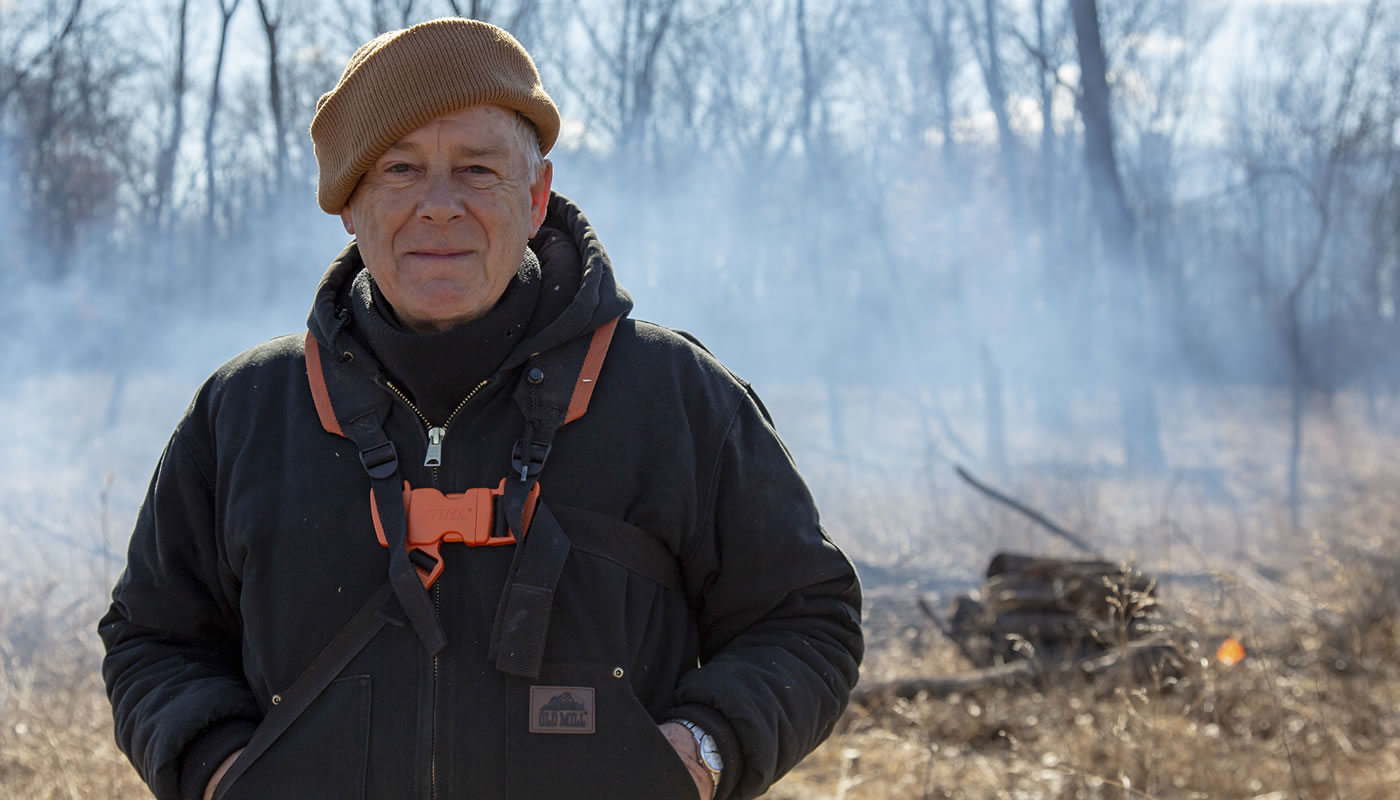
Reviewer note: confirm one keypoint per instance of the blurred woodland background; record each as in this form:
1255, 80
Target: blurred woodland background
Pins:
1026, 199
1136, 260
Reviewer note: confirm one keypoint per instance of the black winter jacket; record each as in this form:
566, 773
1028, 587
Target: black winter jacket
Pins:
255, 545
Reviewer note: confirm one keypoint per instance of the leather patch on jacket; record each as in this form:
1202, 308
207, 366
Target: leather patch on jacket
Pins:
561, 709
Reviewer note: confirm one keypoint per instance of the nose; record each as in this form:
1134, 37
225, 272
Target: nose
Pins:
440, 203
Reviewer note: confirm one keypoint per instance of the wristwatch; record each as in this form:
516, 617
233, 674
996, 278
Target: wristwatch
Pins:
709, 751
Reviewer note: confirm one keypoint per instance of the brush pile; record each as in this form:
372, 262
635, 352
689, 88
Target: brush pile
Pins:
1052, 610
1037, 621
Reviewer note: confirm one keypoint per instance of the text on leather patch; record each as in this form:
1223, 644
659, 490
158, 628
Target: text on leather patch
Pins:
561, 709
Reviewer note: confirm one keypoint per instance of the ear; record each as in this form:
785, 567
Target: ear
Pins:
346, 221
539, 194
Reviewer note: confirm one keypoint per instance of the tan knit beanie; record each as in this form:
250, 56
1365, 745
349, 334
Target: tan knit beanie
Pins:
401, 80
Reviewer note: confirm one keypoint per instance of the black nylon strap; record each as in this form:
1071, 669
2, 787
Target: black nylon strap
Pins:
308, 686
361, 408
369, 436
522, 618
621, 543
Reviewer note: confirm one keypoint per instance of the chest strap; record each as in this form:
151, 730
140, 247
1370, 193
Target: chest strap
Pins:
473, 518
358, 415
556, 389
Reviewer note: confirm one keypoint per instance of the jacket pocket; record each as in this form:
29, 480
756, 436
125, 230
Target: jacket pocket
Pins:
584, 734
622, 543
323, 754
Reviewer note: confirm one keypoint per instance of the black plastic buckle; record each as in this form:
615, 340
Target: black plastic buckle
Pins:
422, 560
381, 460
528, 460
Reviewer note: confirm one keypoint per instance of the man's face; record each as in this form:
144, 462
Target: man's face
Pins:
443, 216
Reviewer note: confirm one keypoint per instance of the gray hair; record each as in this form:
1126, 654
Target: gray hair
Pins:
529, 141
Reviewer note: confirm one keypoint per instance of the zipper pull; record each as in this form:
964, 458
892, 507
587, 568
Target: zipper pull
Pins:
435, 437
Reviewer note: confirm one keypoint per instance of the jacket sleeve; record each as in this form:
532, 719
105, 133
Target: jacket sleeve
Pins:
172, 634
778, 607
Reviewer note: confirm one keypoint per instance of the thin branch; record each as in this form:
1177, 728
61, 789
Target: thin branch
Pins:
1032, 514
1042, 61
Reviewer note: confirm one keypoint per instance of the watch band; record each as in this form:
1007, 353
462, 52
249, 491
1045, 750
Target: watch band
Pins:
709, 752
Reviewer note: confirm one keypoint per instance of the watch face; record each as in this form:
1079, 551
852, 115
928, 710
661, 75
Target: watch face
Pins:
710, 753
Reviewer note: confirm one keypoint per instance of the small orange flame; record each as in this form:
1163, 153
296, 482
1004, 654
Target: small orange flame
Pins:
1231, 652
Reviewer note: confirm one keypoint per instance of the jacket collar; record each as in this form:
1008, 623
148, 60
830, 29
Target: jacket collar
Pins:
596, 299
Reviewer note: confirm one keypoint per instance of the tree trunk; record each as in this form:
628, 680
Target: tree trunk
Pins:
647, 36
1142, 449
939, 32
1052, 397
809, 83
210, 185
996, 89
274, 96
989, 58
1047, 125
170, 150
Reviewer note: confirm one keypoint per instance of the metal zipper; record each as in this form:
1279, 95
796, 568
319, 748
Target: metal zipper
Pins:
432, 734
436, 433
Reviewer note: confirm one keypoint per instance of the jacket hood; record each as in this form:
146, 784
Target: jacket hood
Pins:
570, 256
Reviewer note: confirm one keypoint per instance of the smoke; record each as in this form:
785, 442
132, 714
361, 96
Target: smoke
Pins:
887, 300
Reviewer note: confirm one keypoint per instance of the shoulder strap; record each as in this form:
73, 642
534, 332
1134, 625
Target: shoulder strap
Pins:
588, 374
556, 389
358, 415
290, 704
319, 394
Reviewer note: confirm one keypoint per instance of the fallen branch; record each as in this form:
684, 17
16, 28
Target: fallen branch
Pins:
1032, 514
1145, 655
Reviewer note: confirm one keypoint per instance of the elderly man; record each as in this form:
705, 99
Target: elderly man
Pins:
477, 534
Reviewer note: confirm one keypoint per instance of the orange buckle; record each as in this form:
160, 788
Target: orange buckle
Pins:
468, 517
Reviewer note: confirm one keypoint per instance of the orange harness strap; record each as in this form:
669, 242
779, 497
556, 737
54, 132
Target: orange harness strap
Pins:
578, 402
319, 394
474, 517
592, 365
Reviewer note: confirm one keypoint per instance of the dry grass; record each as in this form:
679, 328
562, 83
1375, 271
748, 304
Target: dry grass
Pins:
1312, 712
55, 723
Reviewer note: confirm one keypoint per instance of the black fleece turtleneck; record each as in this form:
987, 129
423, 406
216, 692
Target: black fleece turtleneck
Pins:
438, 370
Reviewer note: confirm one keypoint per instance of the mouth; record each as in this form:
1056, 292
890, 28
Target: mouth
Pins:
439, 252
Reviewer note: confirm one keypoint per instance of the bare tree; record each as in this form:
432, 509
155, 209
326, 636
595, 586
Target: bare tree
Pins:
473, 9
226, 11
1142, 447
937, 30
170, 148
986, 43
630, 55
1325, 136
1046, 56
380, 14
271, 21
70, 136
490, 12
18, 72
714, 67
